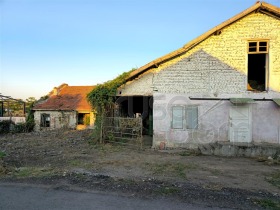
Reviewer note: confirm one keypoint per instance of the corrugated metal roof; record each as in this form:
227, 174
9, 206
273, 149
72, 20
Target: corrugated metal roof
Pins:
241, 100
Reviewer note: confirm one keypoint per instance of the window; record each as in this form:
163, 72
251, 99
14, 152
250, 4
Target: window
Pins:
45, 120
177, 117
257, 65
257, 47
184, 117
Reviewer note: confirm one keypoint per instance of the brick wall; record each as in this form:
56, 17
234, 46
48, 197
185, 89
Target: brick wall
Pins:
218, 64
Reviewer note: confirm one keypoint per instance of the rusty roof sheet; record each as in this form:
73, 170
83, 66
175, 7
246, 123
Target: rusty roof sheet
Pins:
68, 98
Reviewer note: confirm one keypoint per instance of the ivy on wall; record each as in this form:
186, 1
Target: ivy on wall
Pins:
102, 98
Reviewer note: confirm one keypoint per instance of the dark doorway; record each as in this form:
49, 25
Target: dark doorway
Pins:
137, 106
257, 72
83, 119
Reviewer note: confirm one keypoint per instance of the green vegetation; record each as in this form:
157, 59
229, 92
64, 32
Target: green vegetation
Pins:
102, 98
28, 125
274, 179
269, 204
2, 154
171, 169
25, 172
5, 126
167, 190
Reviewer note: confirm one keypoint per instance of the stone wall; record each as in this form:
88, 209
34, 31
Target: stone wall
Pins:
59, 119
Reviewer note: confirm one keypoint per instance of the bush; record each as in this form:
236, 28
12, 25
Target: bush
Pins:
24, 127
2, 154
5, 126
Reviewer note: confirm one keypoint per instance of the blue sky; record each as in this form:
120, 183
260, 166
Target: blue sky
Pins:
44, 43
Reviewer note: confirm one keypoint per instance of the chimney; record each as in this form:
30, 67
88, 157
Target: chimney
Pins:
55, 91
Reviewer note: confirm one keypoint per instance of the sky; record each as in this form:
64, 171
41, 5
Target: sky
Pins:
44, 43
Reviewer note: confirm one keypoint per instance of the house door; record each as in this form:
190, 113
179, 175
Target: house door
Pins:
240, 127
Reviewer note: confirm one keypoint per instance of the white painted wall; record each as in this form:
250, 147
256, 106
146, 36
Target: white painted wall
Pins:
213, 121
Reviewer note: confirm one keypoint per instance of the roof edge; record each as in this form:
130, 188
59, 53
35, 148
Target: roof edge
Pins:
199, 39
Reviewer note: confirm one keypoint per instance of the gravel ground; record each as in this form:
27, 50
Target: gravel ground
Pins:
71, 160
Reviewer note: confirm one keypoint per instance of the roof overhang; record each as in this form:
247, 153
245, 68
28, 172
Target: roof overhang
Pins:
277, 101
241, 100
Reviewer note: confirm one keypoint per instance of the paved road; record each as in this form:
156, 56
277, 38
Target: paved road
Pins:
19, 196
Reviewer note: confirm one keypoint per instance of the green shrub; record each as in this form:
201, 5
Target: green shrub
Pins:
5, 126
2, 154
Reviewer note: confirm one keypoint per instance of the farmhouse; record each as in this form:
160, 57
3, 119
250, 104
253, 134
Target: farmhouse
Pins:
65, 107
223, 86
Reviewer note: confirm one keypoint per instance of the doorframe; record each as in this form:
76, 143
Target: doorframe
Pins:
249, 119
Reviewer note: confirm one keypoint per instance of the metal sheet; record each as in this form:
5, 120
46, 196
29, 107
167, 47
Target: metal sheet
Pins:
277, 101
241, 100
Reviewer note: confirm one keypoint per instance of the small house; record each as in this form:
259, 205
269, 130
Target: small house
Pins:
65, 107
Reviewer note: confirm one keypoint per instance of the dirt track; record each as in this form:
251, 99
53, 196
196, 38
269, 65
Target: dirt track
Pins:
70, 159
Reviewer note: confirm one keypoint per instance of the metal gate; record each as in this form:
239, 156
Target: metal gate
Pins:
123, 130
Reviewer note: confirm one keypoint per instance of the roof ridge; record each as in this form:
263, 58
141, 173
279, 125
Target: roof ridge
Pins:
197, 40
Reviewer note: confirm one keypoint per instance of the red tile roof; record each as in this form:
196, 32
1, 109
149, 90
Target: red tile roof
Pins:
66, 98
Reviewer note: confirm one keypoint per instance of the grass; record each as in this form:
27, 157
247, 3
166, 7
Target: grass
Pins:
25, 172
75, 162
2, 154
274, 179
171, 169
269, 204
167, 190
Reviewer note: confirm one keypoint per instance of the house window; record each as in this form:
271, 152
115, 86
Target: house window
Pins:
45, 120
257, 47
184, 117
177, 117
257, 65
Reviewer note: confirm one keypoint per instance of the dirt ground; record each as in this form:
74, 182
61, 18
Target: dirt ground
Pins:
70, 159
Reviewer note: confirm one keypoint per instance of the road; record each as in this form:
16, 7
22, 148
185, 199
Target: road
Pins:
21, 196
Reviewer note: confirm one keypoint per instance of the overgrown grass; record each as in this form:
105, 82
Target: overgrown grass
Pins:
167, 190
269, 204
25, 172
274, 179
2, 154
171, 169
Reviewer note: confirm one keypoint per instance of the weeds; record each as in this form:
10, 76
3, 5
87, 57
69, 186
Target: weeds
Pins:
269, 204
167, 190
274, 179
25, 172
171, 169
2, 154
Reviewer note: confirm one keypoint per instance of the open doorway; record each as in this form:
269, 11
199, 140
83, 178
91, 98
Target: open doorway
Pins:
137, 106
84, 119
257, 65
256, 72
